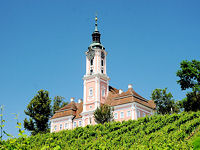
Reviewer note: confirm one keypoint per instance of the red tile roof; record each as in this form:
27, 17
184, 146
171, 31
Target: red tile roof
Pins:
72, 108
113, 99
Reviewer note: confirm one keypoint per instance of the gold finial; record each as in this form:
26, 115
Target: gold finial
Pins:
96, 17
96, 23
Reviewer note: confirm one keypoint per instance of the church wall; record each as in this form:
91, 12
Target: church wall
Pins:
77, 123
86, 121
90, 107
60, 124
143, 111
103, 85
123, 109
87, 66
96, 62
88, 86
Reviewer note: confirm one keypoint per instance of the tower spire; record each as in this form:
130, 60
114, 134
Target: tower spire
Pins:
96, 35
96, 29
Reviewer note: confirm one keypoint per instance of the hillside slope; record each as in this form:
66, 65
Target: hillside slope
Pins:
156, 132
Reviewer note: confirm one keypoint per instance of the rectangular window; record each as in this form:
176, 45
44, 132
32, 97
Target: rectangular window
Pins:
90, 106
122, 115
66, 125
128, 113
74, 124
103, 92
79, 123
55, 127
138, 114
144, 114
116, 116
60, 126
90, 92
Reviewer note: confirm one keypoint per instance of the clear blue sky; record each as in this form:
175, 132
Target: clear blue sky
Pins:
43, 44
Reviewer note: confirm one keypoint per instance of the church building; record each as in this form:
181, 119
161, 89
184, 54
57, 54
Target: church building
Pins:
97, 91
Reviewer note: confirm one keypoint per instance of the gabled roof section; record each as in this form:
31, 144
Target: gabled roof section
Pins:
114, 98
113, 90
79, 110
71, 106
71, 109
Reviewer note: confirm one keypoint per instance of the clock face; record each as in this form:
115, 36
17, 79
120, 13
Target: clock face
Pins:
102, 55
91, 54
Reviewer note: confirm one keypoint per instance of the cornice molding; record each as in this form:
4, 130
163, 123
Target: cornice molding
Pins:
98, 75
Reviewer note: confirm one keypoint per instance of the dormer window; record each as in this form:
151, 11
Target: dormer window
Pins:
91, 62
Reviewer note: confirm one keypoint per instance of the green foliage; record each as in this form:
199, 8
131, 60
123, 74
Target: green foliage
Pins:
164, 102
189, 74
19, 127
196, 143
192, 101
155, 132
103, 114
2, 121
39, 111
58, 103
190, 79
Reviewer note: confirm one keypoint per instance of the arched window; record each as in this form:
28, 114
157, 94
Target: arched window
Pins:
101, 70
60, 126
66, 125
90, 91
129, 113
122, 114
91, 62
79, 123
74, 124
91, 71
102, 62
116, 116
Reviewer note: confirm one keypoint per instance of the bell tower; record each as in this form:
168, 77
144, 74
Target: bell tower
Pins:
95, 79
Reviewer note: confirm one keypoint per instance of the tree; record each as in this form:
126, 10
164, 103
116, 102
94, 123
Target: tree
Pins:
103, 114
164, 102
189, 75
39, 111
58, 103
192, 101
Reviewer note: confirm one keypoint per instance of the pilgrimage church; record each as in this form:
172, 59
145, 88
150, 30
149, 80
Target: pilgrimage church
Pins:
97, 91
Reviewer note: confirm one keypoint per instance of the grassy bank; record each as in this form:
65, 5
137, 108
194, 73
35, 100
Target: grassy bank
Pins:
176, 131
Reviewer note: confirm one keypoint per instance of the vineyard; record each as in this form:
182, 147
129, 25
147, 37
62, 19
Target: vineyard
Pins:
176, 131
